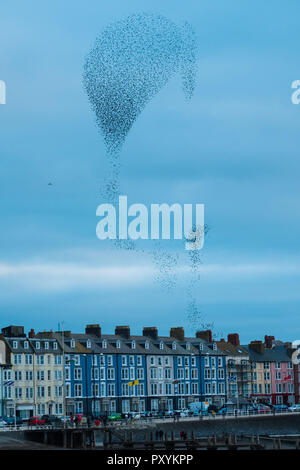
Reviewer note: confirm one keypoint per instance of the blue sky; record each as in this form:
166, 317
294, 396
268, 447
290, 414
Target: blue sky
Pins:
234, 147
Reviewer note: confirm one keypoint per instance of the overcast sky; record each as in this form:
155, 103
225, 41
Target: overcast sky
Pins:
233, 147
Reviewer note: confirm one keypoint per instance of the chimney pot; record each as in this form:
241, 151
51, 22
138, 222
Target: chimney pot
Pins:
177, 333
93, 330
234, 339
205, 335
150, 331
123, 331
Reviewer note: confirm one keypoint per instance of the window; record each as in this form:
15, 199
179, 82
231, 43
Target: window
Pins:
26, 344
179, 361
118, 344
72, 343
131, 360
188, 346
37, 345
194, 389
221, 374
17, 359
278, 365
220, 363
194, 373
147, 345
214, 346
78, 390
213, 362
41, 392
152, 361
111, 390
161, 345
104, 344
124, 373
132, 344
153, 373
28, 359
95, 373
46, 345
29, 392
266, 365
140, 373
206, 361
109, 360
15, 344
139, 360
88, 344
168, 373
124, 360
201, 347
193, 361
77, 373
167, 360
40, 375
102, 360
40, 360
55, 345
57, 375
57, 360
174, 345
111, 374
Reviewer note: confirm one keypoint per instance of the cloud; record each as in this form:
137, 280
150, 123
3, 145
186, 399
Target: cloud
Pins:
45, 276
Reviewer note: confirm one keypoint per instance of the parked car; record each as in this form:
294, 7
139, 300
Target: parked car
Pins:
2, 423
115, 417
280, 407
35, 420
295, 408
222, 411
51, 419
11, 420
262, 409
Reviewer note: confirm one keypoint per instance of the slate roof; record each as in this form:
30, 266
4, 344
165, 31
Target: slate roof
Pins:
274, 354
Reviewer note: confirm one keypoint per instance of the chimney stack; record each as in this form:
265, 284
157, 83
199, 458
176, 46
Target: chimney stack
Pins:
234, 339
93, 330
177, 333
257, 346
150, 331
205, 335
123, 331
268, 341
31, 333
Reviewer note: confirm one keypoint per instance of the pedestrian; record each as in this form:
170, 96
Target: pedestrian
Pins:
161, 435
181, 434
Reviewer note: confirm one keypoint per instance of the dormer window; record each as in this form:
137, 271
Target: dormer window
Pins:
214, 346
72, 343
133, 344
88, 344
161, 345
15, 344
46, 345
147, 345
118, 344
55, 345
174, 346
26, 344
104, 344
201, 347
188, 346
37, 345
